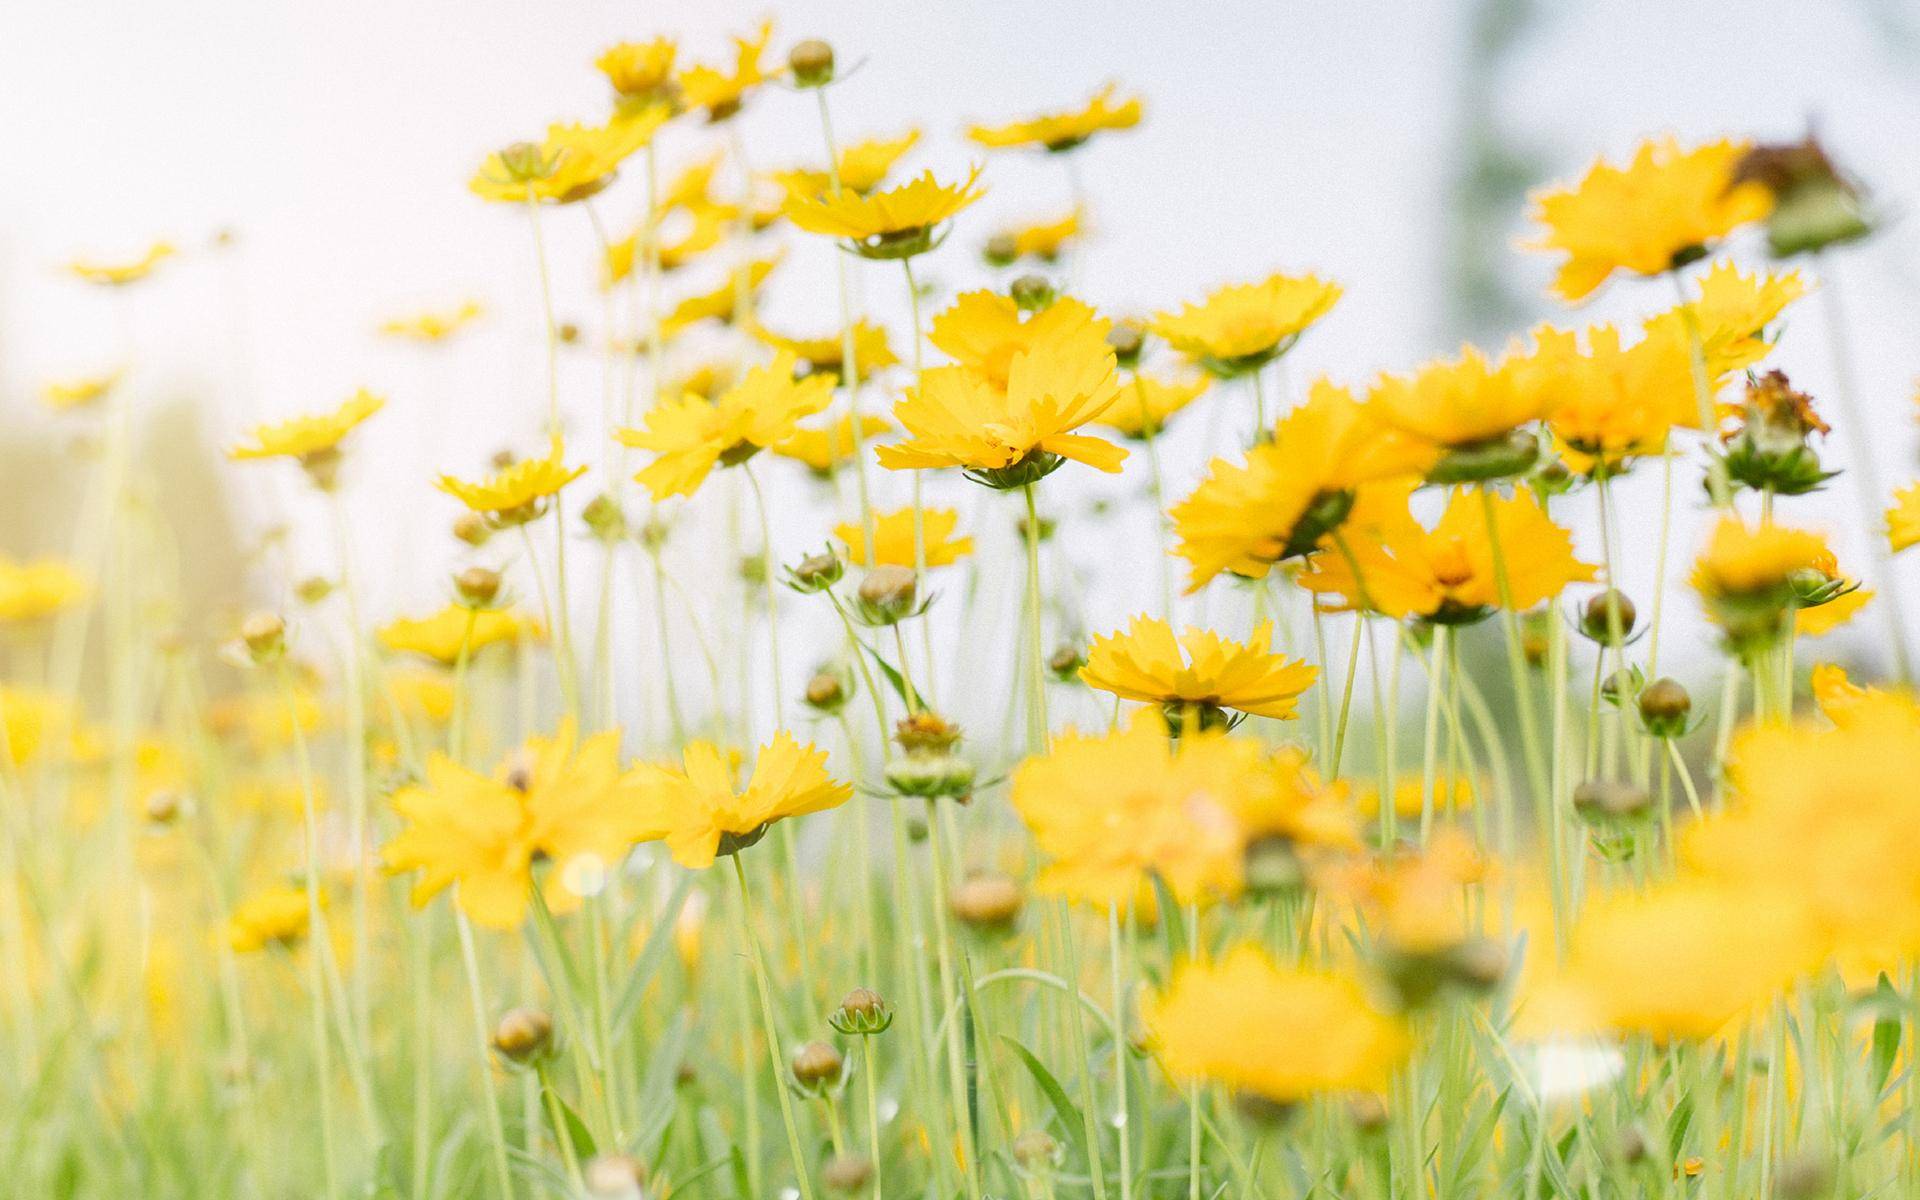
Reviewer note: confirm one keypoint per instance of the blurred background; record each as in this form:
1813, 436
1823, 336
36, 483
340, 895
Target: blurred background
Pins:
311, 162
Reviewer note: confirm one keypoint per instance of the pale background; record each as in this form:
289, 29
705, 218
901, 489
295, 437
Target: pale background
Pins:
334, 140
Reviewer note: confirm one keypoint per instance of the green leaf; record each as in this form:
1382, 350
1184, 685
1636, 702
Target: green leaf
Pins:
900, 688
1173, 932
1886, 1030
1069, 1114
649, 957
576, 1130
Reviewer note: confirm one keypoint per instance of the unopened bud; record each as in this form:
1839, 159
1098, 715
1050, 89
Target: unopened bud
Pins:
1608, 615
615, 1177
265, 635
864, 1012
887, 595
817, 1066
1001, 250
1127, 340
988, 902
522, 1035
826, 692
811, 62
1609, 801
1032, 292
1038, 1150
477, 587
163, 807
846, 1173
472, 528
1665, 707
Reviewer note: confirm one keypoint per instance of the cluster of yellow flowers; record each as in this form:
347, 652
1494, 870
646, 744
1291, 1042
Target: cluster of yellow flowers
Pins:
1364, 951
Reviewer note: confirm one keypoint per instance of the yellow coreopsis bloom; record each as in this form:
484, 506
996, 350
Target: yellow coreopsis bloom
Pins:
35, 722
690, 436
830, 446
896, 223
30, 591
312, 441
1660, 211
871, 353
1448, 575
557, 801
984, 330
723, 303
81, 391
1903, 519
1611, 403
1730, 316
1043, 240
720, 91
1012, 436
1199, 672
441, 636
119, 274
1062, 131
1292, 491
1146, 403
1468, 407
1281, 1033
863, 167
701, 814
639, 71
516, 493
573, 163
893, 539
1752, 577
275, 917
433, 325
1243, 326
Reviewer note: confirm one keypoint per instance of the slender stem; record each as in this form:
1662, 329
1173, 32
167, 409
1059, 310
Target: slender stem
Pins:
356, 767
1037, 724
802, 1173
773, 595
873, 1110
849, 359
1121, 1108
490, 1104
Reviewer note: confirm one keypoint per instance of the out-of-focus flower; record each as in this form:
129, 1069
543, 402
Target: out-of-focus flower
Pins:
1283, 1034
690, 436
433, 325
1242, 327
863, 167
1471, 409
893, 538
518, 492
897, 223
828, 447
1199, 671
824, 355
34, 590
573, 163
1611, 403
119, 274
313, 441
985, 330
1663, 210
641, 73
1146, 403
277, 916
79, 391
441, 636
702, 814
1061, 131
1903, 518
724, 303
1730, 316
1815, 205
1751, 577
720, 91
1042, 240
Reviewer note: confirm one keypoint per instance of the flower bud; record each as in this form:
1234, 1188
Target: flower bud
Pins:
1001, 250
826, 692
887, 595
811, 62
1496, 458
1536, 636
615, 1177
1038, 1150
163, 807
1065, 663
990, 903
1032, 292
472, 528
846, 1173
265, 635
816, 573
477, 587
1607, 802
1606, 613
604, 519
1367, 1111
523, 1035
1127, 339
817, 1066
313, 589
1665, 707
1273, 865
864, 1012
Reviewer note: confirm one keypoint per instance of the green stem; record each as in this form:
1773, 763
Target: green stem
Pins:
802, 1173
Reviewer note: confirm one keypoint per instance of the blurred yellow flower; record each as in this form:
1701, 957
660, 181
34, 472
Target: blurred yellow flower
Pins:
720, 91
723, 303
640, 72
1146, 403
1611, 403
1903, 519
1243, 326
689, 436
1659, 212
1061, 131
433, 325
31, 591
823, 355
573, 163
119, 274
33, 722
863, 167
1008, 437
1293, 491
1281, 1033
516, 492
80, 391
1042, 240
310, 438
830, 446
1461, 402
1410, 795
701, 813
1199, 670
557, 801
1730, 316
984, 330
275, 917
893, 535
896, 223
1743, 561
440, 636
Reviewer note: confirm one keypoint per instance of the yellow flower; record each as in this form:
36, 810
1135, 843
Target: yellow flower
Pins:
275, 917
701, 813
1200, 669
1448, 575
690, 436
440, 636
1680, 961
556, 801
1293, 491
1044, 240
723, 303
1450, 795
1060, 131
639, 71
517, 491
65, 395
1744, 560
1818, 620
1730, 316
31, 591
893, 535
1612, 403
1659, 212
896, 223
1242, 326
34, 722
573, 163
1110, 811
871, 353
119, 274
1007, 437
984, 330
1903, 519
1146, 403
1460, 403
313, 441
422, 694
863, 167
1281, 1033
722, 90
825, 449
692, 188
433, 326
